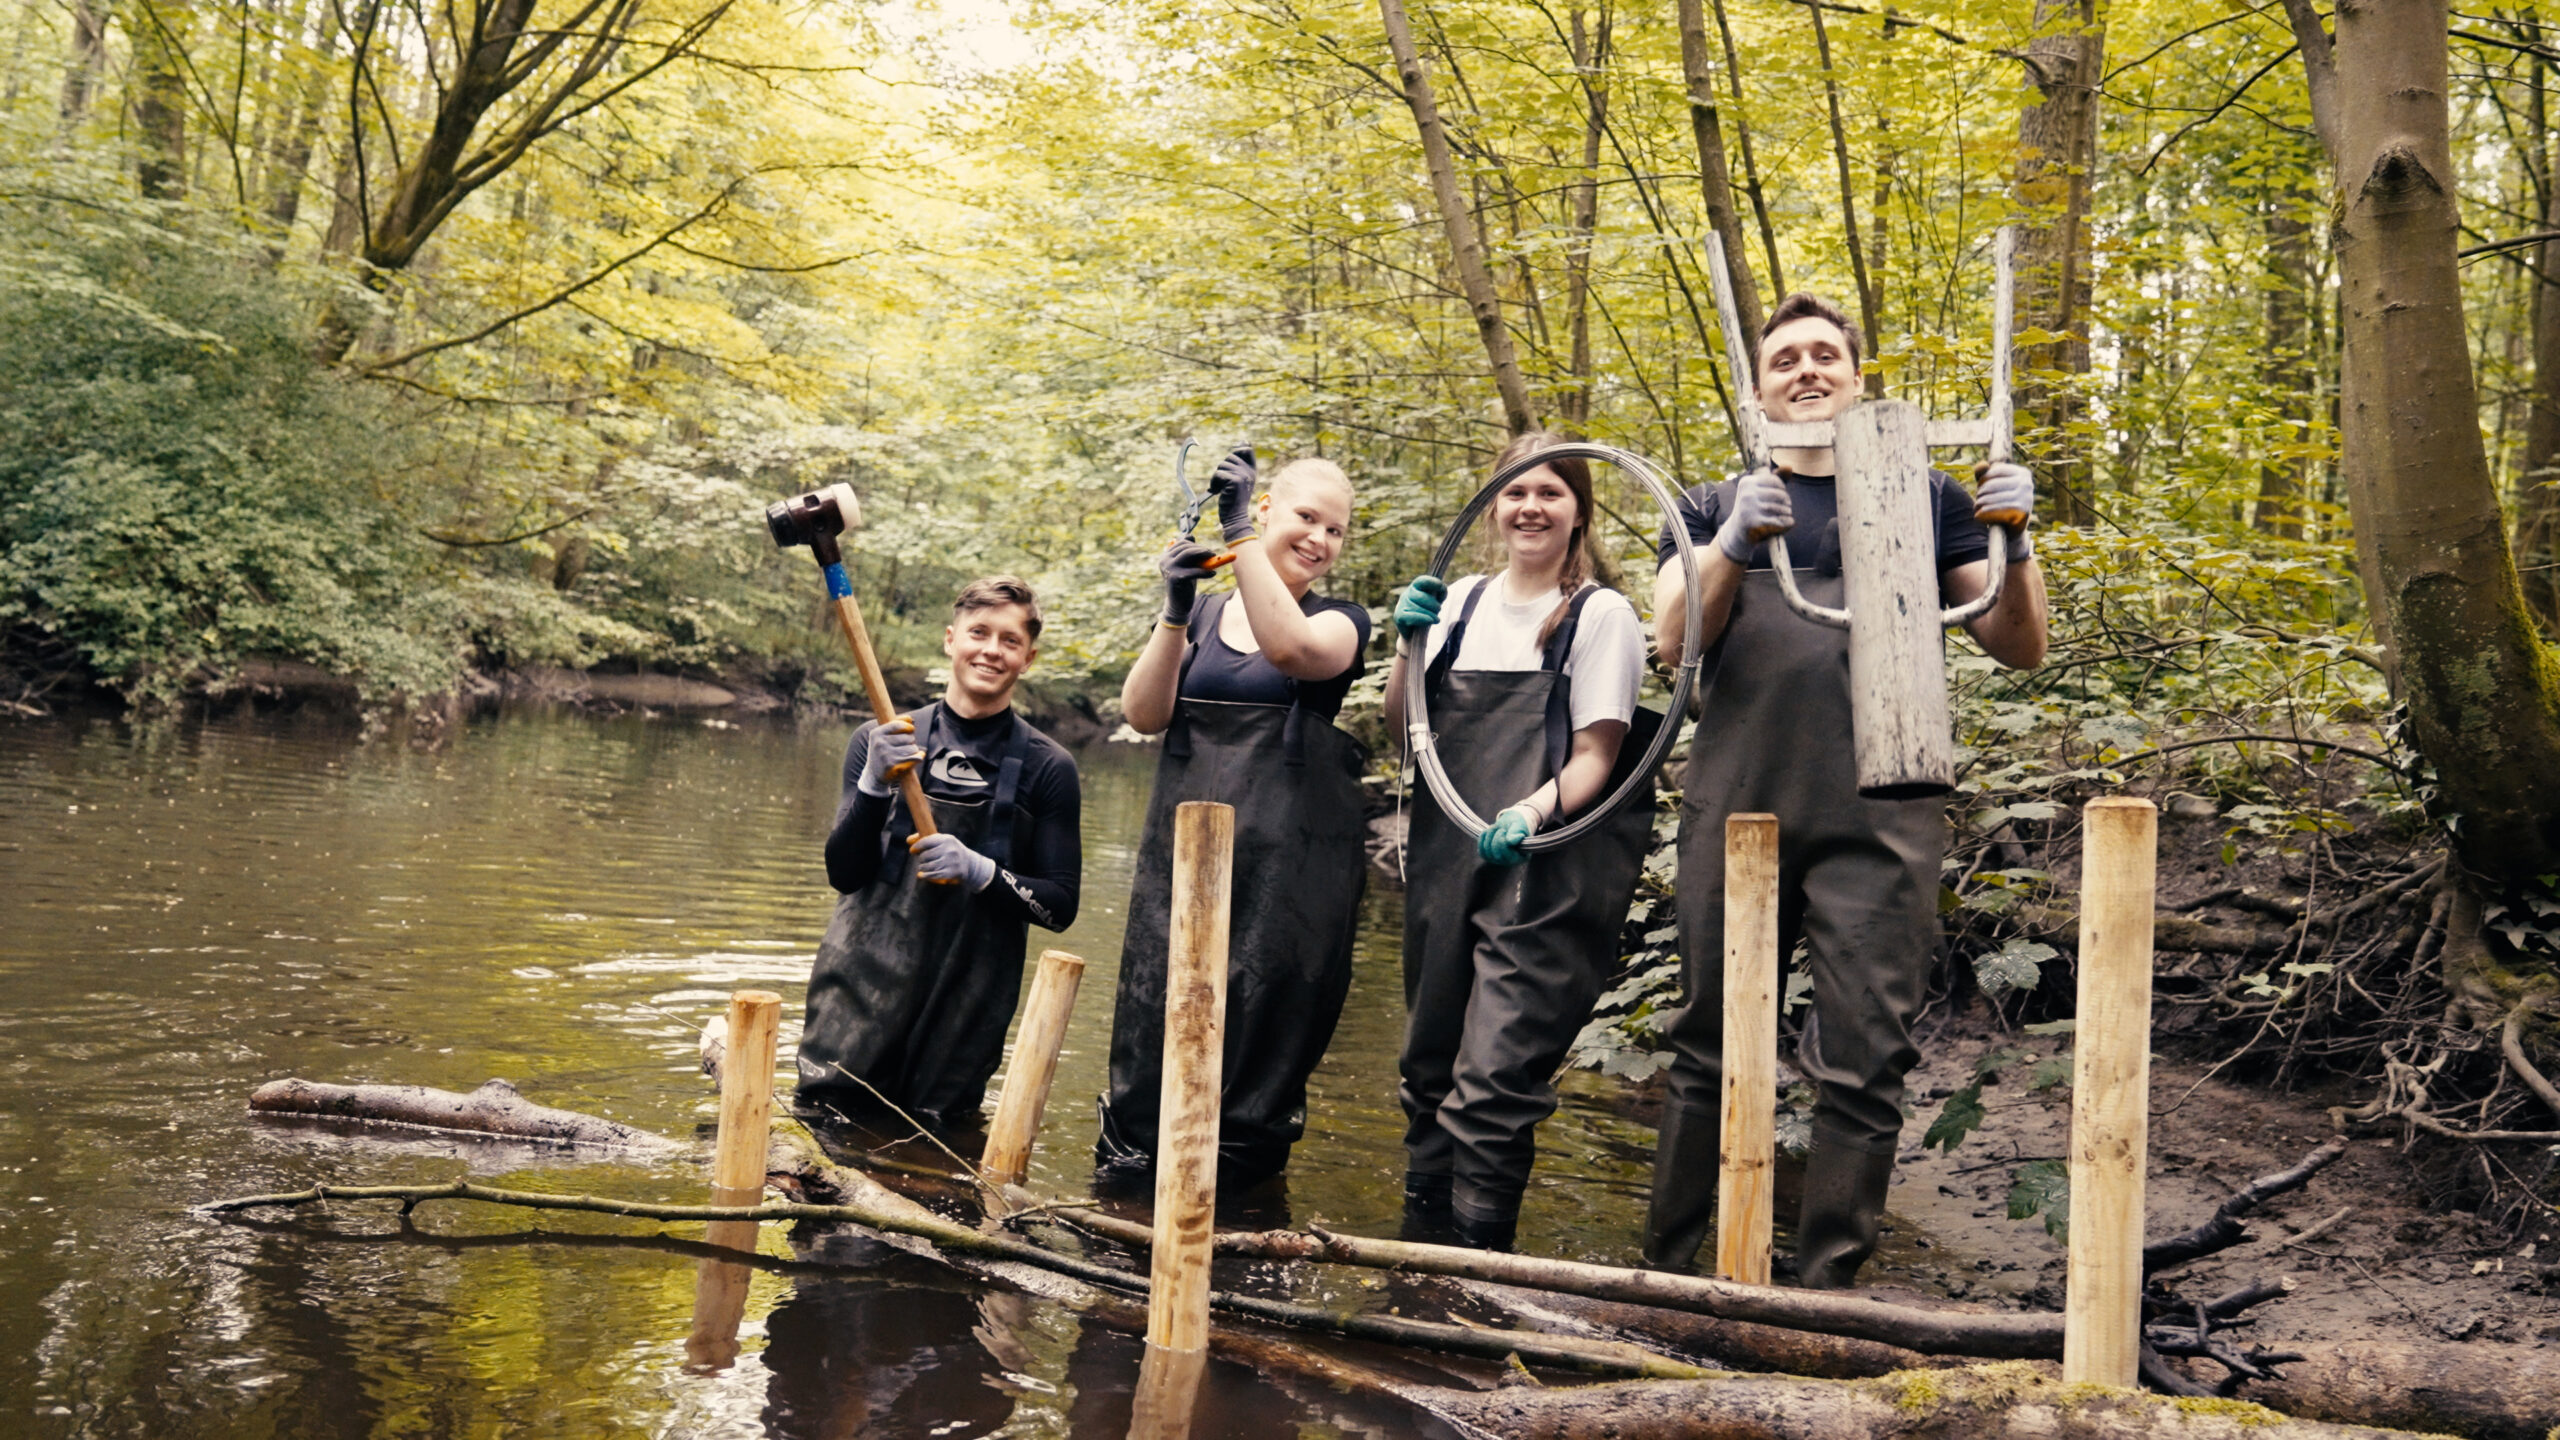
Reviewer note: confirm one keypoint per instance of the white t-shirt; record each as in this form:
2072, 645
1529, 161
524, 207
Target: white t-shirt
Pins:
1606, 663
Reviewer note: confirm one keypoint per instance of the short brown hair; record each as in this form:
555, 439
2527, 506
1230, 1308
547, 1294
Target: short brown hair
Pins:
1804, 305
989, 591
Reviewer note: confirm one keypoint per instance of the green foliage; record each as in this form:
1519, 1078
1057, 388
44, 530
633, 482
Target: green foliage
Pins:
2043, 1187
1960, 1116
2016, 965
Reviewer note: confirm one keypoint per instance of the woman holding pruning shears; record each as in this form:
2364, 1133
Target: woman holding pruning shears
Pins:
1244, 686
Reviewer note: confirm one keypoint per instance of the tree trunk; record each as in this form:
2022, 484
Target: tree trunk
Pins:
2538, 487
88, 59
160, 100
2057, 152
1713, 176
2483, 694
1867, 319
2287, 364
1591, 58
1750, 165
1465, 245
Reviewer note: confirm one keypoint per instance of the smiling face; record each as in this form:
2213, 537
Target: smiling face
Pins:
1807, 371
989, 647
1538, 518
1304, 522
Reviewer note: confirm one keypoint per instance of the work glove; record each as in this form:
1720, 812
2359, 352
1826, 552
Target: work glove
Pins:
1418, 605
1233, 481
1501, 841
2006, 496
893, 753
1761, 508
1183, 566
945, 861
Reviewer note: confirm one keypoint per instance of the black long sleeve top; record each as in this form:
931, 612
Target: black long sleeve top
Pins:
1043, 876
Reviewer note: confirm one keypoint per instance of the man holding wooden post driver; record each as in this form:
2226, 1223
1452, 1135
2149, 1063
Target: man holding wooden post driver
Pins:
1858, 873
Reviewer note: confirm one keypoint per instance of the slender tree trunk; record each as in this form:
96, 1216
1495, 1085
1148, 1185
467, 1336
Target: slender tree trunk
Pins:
2057, 152
1750, 166
1591, 57
1867, 318
1465, 246
1713, 176
88, 59
2538, 484
2483, 693
160, 99
2287, 363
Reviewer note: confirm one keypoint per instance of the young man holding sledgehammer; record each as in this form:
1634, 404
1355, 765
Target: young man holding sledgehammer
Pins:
1857, 877
921, 967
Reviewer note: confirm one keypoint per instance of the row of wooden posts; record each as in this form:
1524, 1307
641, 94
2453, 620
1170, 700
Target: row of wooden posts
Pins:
2109, 1114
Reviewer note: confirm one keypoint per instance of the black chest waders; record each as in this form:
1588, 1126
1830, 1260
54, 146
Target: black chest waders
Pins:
1301, 863
1502, 963
1857, 881
915, 983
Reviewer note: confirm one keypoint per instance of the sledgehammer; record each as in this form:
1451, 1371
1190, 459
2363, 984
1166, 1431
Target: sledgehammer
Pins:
815, 520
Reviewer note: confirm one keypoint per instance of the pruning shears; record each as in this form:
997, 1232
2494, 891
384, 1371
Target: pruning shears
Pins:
1194, 503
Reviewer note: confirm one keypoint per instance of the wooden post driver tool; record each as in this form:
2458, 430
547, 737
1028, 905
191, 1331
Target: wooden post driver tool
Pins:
1888, 555
815, 520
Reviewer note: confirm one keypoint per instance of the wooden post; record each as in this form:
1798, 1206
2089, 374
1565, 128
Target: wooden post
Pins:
746, 1097
1904, 737
1035, 1064
737, 1177
1168, 1391
1745, 1179
1195, 1017
2110, 1093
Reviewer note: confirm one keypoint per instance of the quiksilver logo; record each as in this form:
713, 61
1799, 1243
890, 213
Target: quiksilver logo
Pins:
953, 768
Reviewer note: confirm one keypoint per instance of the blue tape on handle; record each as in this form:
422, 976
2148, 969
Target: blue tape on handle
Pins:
839, 584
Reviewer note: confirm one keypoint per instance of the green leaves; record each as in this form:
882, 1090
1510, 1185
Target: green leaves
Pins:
2043, 1187
2016, 965
1960, 1116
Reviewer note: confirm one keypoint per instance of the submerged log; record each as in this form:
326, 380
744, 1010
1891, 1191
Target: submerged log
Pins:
496, 1108
1988, 1402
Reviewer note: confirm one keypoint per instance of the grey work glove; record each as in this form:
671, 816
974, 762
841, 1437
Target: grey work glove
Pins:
1183, 567
1234, 480
1761, 508
893, 752
2006, 496
945, 861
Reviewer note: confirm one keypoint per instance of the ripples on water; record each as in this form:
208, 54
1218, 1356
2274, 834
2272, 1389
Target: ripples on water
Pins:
193, 909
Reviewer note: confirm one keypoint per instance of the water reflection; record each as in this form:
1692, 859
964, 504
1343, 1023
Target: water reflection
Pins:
195, 909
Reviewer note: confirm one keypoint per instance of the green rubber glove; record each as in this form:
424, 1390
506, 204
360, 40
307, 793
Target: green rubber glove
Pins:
1501, 841
1418, 605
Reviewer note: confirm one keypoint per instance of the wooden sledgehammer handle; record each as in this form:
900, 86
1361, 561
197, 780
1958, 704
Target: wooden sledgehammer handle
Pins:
876, 686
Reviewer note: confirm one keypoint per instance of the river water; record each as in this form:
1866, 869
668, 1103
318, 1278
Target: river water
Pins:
195, 908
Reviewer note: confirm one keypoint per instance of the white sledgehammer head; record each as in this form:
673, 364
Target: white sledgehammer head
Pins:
846, 506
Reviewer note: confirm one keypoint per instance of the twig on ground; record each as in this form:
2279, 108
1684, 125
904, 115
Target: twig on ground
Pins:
2225, 1229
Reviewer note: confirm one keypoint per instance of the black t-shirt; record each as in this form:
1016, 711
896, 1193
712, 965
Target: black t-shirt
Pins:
1218, 671
1813, 546
1045, 873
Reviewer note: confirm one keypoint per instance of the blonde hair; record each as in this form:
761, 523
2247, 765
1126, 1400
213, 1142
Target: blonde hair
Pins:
1309, 467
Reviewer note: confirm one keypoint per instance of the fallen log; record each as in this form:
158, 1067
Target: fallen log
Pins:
1977, 1334
1988, 1402
1734, 1344
2479, 1389
496, 1108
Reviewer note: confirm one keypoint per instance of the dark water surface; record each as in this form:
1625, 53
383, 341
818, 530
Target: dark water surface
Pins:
192, 909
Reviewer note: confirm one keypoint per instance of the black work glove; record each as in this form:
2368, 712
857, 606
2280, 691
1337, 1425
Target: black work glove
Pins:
1234, 483
1183, 566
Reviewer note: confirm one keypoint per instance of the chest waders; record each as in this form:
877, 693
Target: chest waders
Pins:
1502, 963
916, 983
1301, 861
1857, 881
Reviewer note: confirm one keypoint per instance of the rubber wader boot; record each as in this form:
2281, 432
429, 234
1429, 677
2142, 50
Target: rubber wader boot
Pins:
1426, 1210
1485, 1221
1686, 1163
1844, 1194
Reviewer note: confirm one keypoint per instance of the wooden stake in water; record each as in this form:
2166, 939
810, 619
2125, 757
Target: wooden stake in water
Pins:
737, 1176
1195, 1016
1168, 1391
1035, 1064
1745, 1180
2111, 1092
